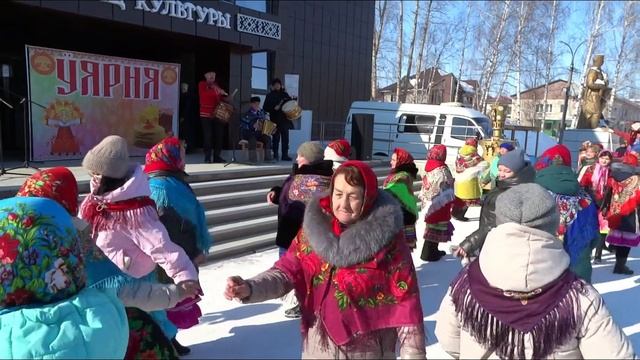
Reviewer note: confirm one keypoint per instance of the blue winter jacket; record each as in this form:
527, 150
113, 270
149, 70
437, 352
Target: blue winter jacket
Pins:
90, 325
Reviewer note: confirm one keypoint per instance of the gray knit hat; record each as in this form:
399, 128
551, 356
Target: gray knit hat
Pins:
109, 158
311, 150
514, 160
529, 205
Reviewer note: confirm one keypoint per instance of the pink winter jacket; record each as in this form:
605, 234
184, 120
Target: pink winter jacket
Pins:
142, 242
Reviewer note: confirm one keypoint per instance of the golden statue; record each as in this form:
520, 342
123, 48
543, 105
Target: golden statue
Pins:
595, 95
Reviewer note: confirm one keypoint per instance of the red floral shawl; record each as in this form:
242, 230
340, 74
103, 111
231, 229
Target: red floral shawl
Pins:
57, 184
380, 292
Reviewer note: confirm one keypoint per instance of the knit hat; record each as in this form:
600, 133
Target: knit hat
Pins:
514, 160
40, 256
109, 158
507, 146
311, 150
337, 150
529, 205
468, 150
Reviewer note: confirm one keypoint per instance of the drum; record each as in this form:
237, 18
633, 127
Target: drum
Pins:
291, 110
223, 111
269, 127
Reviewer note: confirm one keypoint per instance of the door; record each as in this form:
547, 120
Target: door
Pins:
416, 133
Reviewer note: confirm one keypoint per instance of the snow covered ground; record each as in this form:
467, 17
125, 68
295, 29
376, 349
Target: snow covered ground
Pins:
232, 330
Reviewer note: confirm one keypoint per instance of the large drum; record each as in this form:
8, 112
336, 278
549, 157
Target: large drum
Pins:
223, 111
291, 110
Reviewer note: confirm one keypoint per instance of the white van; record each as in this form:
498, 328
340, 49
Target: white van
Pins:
417, 127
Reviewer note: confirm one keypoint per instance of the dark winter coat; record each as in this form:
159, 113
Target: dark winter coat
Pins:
273, 99
473, 243
291, 212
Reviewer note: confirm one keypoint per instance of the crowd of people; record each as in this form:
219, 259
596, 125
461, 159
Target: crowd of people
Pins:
123, 264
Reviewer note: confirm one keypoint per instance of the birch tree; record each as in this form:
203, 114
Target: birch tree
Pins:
381, 20
412, 47
464, 47
629, 19
425, 33
494, 53
549, 59
399, 48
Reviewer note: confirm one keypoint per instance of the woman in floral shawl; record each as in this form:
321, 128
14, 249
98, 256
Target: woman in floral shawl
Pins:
352, 273
469, 167
579, 228
437, 199
399, 183
145, 336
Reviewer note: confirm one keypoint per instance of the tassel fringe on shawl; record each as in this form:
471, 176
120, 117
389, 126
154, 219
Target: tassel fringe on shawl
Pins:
552, 331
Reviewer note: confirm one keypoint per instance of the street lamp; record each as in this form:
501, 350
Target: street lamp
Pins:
566, 94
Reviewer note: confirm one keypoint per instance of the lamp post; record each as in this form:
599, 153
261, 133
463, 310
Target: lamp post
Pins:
566, 93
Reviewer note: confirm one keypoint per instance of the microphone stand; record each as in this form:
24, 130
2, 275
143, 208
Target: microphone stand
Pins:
25, 164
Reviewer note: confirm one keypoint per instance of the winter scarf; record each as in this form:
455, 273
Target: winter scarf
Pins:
559, 179
500, 320
400, 185
357, 279
599, 179
57, 184
39, 251
169, 190
467, 158
625, 195
165, 156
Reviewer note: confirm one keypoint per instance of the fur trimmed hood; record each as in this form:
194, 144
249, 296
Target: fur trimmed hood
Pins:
360, 241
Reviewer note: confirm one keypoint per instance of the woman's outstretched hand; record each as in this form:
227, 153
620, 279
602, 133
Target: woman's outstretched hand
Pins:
237, 288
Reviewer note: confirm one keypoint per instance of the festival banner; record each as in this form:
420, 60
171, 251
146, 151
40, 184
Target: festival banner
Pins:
78, 99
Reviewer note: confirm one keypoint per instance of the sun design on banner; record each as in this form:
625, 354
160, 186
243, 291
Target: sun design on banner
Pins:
43, 63
63, 114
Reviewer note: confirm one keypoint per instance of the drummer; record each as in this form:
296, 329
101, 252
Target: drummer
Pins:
251, 124
212, 128
273, 105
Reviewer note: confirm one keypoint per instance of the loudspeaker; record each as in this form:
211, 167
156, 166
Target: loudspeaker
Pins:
362, 136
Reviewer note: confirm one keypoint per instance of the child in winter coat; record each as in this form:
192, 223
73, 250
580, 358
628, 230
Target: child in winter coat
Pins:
311, 176
337, 151
399, 183
437, 199
46, 311
60, 185
579, 228
490, 175
181, 214
125, 224
519, 300
597, 181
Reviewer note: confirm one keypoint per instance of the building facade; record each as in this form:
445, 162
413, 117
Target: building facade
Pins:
327, 44
433, 86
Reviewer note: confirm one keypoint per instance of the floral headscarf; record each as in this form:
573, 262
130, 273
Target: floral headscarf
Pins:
40, 258
403, 157
57, 184
556, 155
471, 142
436, 158
165, 156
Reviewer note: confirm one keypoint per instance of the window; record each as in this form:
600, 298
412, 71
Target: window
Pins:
547, 108
538, 107
259, 71
462, 129
561, 108
257, 5
422, 124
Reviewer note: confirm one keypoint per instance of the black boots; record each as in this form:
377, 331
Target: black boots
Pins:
181, 350
622, 252
458, 213
430, 251
597, 258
